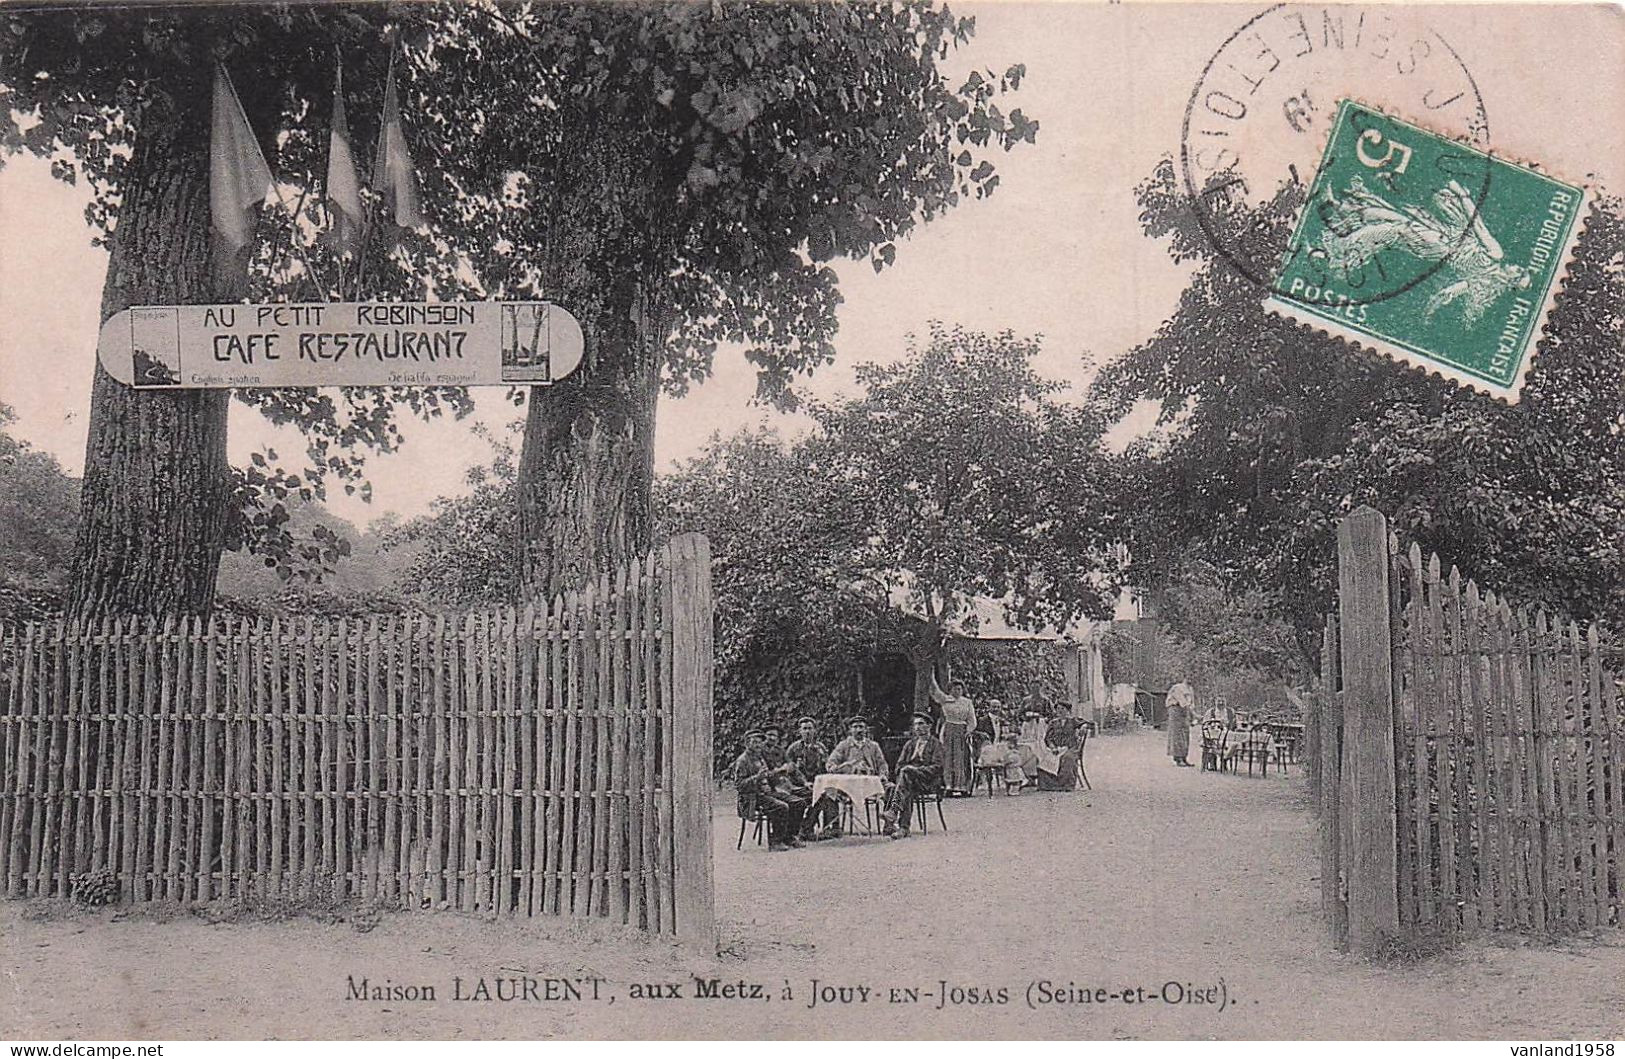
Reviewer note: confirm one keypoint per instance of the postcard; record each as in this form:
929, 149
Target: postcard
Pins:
818, 521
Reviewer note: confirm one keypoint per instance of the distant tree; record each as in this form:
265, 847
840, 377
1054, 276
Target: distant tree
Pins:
1229, 629
956, 474
1271, 431
464, 552
38, 515
967, 477
793, 619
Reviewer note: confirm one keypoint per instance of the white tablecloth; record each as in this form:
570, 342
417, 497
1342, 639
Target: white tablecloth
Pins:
854, 785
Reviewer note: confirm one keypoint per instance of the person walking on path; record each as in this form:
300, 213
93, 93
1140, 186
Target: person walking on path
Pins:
958, 722
1181, 707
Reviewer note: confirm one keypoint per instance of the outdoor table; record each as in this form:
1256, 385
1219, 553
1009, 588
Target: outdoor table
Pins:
858, 786
1290, 737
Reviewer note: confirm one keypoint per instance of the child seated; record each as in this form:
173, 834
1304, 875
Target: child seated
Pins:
1015, 775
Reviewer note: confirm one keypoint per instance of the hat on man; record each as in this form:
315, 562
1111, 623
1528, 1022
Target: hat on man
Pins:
806, 720
753, 731
850, 721
926, 717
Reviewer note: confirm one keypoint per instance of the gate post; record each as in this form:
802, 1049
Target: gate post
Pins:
689, 568
1368, 728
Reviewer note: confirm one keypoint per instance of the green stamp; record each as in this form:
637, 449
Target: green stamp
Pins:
1429, 251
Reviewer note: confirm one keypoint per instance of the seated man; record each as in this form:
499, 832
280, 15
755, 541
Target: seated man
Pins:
786, 775
808, 754
753, 786
788, 783
919, 772
857, 752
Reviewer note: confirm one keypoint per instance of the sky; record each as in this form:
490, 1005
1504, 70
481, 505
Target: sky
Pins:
1056, 251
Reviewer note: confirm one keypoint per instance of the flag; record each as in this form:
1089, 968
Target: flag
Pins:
343, 186
238, 175
392, 174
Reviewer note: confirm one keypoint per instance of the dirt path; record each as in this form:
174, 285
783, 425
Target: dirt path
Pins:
1158, 876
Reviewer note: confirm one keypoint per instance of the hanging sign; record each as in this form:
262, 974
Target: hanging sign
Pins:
340, 344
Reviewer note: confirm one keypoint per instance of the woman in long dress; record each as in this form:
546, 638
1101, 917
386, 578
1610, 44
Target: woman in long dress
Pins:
1181, 706
958, 722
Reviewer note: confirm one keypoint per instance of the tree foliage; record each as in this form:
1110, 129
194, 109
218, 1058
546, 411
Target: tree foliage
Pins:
968, 477
746, 146
464, 552
1271, 431
39, 515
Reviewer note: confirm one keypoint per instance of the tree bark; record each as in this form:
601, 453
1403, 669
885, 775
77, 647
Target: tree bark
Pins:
587, 467
156, 493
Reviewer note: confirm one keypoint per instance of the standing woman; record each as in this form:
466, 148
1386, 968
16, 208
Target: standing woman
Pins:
1181, 707
958, 722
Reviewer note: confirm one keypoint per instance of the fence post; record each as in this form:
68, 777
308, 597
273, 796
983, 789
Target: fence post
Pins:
1311, 747
1368, 727
689, 567
1333, 852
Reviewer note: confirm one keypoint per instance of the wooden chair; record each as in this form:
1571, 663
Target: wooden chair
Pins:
1212, 746
918, 809
753, 816
1285, 750
1257, 748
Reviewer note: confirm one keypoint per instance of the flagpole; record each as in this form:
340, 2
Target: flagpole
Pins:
366, 227
327, 182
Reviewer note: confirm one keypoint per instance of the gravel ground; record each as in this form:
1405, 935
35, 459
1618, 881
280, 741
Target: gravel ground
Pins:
1165, 903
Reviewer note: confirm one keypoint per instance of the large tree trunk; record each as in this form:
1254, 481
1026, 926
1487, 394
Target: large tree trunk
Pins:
587, 467
156, 492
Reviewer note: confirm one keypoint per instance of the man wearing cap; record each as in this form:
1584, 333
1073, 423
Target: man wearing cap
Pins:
789, 784
857, 752
787, 774
919, 772
808, 753
753, 786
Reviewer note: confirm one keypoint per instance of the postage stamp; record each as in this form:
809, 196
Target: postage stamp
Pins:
1430, 251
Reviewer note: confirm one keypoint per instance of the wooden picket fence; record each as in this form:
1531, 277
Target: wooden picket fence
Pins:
544, 761
1471, 773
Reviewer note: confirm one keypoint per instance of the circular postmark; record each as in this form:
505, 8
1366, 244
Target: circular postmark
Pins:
1258, 122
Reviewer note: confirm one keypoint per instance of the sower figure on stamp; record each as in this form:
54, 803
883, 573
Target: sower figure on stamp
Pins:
753, 786
919, 772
